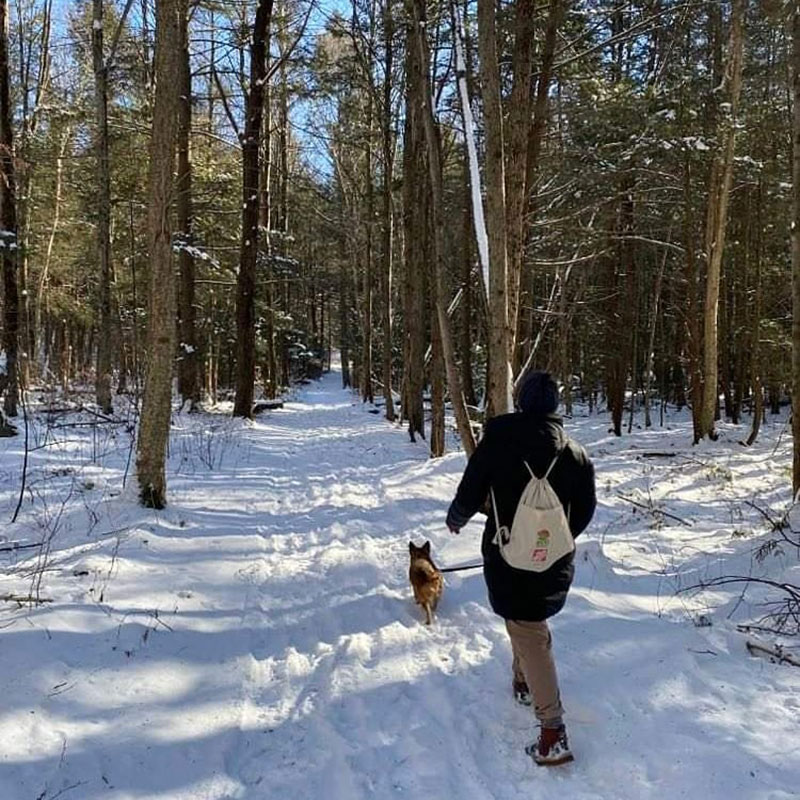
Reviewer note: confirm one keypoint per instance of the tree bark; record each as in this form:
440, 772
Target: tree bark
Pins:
9, 250
517, 143
651, 338
466, 307
154, 425
104, 338
437, 394
692, 317
41, 354
415, 209
248, 254
499, 374
439, 260
367, 391
188, 377
717, 215
796, 254
344, 320
473, 186
536, 133
755, 347
265, 224
387, 210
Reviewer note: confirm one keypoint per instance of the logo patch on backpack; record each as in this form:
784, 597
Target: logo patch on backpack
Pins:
543, 538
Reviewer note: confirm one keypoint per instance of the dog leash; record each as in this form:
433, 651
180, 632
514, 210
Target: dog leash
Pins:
459, 569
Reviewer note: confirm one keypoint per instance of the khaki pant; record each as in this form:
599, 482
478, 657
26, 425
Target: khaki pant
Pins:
532, 647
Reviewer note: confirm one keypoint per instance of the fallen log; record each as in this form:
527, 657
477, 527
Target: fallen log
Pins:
267, 405
775, 652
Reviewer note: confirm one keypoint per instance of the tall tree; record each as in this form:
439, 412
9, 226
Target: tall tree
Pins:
8, 233
104, 338
795, 73
33, 31
387, 222
536, 131
499, 374
415, 208
251, 148
154, 426
444, 340
188, 377
717, 214
517, 142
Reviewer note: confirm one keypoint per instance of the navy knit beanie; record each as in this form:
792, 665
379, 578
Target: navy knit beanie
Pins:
538, 393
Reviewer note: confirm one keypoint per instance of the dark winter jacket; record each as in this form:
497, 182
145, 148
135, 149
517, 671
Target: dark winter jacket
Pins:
509, 440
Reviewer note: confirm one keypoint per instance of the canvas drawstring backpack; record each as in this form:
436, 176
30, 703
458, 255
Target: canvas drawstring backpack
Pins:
540, 533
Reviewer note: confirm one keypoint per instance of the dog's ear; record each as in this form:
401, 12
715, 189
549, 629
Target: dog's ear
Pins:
411, 547
426, 548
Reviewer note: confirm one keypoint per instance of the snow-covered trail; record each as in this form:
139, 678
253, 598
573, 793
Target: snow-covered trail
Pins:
257, 640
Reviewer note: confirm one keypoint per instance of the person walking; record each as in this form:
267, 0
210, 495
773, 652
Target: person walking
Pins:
514, 448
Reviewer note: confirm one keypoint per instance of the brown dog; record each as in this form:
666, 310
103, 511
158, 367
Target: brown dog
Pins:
426, 579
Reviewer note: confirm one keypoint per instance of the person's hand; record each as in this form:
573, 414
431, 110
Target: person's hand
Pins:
453, 529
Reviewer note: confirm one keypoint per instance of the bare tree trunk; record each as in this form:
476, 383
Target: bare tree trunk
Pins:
535, 137
40, 294
692, 317
619, 356
188, 378
517, 143
265, 222
344, 321
466, 307
283, 129
717, 216
26, 34
388, 212
463, 73
367, 392
439, 260
9, 377
104, 338
796, 253
499, 375
248, 255
651, 340
755, 343
437, 394
415, 208
154, 426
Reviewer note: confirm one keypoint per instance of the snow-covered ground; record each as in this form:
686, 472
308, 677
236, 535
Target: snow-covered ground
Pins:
257, 639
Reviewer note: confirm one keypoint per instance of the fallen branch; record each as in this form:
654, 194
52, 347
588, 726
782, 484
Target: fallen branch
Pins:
24, 478
776, 652
10, 548
778, 526
24, 599
654, 510
785, 619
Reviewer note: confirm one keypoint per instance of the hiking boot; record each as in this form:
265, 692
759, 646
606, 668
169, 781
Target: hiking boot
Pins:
551, 749
522, 694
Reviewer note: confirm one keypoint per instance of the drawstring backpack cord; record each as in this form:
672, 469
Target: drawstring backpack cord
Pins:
498, 529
